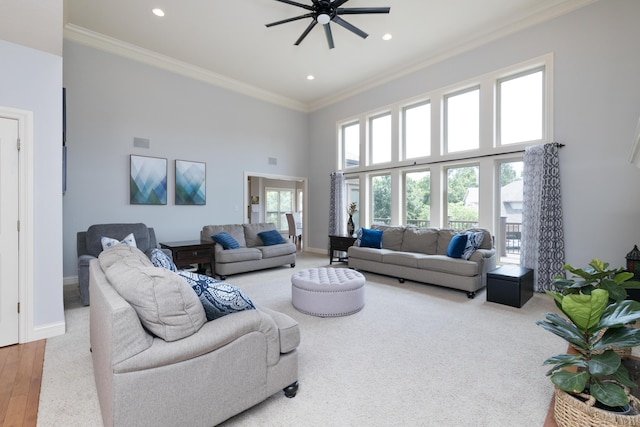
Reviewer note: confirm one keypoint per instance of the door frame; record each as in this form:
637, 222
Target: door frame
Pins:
26, 265
305, 195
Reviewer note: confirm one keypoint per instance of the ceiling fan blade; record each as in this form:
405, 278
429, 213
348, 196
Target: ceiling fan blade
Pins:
327, 32
359, 10
338, 3
350, 27
284, 21
307, 31
293, 3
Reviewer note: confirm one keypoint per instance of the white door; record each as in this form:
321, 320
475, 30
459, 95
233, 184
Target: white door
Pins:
9, 290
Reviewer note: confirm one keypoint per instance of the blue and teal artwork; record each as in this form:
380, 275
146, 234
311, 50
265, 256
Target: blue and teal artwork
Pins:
191, 180
148, 181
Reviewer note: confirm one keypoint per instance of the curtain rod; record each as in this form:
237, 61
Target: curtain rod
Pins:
557, 144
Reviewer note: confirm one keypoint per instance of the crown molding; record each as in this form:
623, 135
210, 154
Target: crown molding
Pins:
117, 47
455, 49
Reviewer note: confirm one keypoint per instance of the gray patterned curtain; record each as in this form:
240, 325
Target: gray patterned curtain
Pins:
542, 227
337, 205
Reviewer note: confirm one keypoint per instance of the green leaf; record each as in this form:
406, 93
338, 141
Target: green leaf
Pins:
585, 310
619, 314
564, 329
616, 292
624, 337
562, 361
606, 363
622, 277
574, 382
631, 285
622, 376
608, 393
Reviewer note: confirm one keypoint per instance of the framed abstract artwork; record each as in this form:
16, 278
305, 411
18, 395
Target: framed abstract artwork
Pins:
191, 181
147, 181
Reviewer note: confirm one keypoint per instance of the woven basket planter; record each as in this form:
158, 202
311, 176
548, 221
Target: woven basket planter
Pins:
570, 411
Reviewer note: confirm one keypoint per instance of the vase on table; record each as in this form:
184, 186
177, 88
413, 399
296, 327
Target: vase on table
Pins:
350, 226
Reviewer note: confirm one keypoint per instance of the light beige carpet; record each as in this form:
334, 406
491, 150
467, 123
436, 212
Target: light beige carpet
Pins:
416, 355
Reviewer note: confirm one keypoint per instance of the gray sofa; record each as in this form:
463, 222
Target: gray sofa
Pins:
252, 254
89, 246
199, 373
420, 254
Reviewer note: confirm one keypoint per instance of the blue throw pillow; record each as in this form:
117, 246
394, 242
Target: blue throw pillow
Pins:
457, 245
225, 240
271, 237
474, 240
160, 259
371, 238
218, 298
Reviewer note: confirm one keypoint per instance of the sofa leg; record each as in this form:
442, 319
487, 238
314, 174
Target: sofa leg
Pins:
291, 390
223, 277
401, 280
471, 295
293, 264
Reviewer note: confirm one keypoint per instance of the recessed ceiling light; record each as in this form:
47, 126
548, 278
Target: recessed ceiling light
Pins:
387, 37
310, 77
158, 12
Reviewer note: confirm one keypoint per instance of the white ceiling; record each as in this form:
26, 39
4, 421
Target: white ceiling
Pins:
226, 42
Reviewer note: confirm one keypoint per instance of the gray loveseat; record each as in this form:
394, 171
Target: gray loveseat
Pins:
89, 246
252, 253
420, 254
199, 373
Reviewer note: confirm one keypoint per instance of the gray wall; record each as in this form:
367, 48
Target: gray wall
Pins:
111, 100
597, 105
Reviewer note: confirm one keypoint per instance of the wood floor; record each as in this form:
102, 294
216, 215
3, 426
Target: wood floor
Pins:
20, 378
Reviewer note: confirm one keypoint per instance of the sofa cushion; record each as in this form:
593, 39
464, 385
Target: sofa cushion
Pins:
234, 230
160, 259
164, 302
368, 254
225, 240
277, 250
474, 240
121, 253
444, 238
218, 298
271, 237
251, 232
95, 233
457, 245
421, 240
371, 238
238, 255
128, 240
445, 264
392, 236
406, 259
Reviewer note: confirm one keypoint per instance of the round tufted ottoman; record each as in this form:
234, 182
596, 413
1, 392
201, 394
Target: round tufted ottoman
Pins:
327, 292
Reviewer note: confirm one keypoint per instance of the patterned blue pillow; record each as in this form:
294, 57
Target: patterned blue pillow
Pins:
218, 298
457, 245
160, 259
225, 239
271, 237
371, 238
474, 240
107, 242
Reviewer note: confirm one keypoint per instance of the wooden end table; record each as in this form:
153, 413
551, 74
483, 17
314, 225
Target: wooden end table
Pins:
339, 244
189, 252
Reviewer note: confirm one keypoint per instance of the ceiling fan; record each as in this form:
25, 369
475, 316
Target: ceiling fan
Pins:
325, 11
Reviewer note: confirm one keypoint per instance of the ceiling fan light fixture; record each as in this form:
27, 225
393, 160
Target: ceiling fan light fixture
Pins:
323, 18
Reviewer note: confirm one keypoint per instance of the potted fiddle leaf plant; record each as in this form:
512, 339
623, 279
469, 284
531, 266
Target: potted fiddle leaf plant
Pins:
590, 380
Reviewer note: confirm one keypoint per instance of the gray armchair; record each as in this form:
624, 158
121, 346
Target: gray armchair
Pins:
89, 246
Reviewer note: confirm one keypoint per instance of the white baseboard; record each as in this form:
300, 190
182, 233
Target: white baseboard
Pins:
48, 331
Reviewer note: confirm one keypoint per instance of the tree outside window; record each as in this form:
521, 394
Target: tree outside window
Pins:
418, 198
381, 197
462, 196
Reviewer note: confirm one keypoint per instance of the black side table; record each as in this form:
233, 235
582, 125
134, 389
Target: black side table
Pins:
510, 284
191, 252
339, 244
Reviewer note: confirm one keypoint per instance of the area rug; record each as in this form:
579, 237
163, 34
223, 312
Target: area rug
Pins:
416, 355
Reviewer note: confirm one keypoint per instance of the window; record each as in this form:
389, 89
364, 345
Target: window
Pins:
381, 199
416, 132
351, 145
353, 195
462, 197
509, 233
462, 120
380, 134
417, 196
279, 202
521, 108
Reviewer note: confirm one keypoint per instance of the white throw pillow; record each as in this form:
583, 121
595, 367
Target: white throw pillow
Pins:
107, 242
